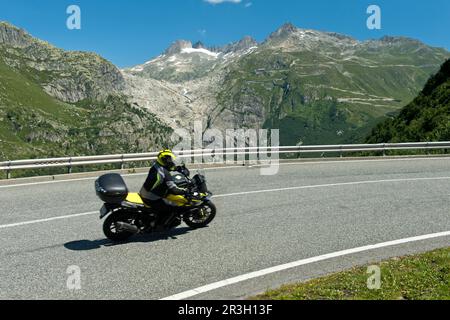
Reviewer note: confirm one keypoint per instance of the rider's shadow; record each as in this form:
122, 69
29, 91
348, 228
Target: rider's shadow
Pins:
88, 245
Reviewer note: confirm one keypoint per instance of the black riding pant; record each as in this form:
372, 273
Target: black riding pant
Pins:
164, 208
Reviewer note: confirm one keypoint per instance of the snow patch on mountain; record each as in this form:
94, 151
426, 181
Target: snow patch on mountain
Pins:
200, 51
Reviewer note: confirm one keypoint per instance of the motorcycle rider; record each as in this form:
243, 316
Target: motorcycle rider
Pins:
159, 184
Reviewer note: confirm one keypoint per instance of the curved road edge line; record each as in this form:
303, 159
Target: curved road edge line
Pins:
264, 272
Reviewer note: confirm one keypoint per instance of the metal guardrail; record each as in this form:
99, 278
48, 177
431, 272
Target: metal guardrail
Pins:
122, 159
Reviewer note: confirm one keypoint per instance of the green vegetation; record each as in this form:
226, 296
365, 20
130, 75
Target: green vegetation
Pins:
425, 119
317, 98
34, 124
420, 277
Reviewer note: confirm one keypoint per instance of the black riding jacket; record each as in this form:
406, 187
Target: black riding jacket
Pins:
159, 184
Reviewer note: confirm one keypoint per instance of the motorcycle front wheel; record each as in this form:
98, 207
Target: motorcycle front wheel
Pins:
202, 217
111, 230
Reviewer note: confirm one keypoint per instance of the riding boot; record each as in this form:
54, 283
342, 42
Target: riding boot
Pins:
168, 220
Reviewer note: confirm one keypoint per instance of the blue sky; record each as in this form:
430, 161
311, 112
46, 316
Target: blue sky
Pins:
130, 32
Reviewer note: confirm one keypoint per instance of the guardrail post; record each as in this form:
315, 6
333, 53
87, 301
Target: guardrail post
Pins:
122, 163
428, 148
384, 150
342, 155
69, 168
8, 171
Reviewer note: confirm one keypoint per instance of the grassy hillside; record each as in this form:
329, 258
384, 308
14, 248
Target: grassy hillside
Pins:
315, 98
58, 103
418, 277
34, 124
427, 118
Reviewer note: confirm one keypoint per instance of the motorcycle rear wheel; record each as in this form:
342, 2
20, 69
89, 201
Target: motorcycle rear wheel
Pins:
110, 227
203, 217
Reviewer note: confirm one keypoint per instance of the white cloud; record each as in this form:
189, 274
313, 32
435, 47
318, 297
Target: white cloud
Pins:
222, 1
248, 4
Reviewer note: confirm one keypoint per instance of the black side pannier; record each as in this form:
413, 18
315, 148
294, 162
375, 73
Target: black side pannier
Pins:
111, 188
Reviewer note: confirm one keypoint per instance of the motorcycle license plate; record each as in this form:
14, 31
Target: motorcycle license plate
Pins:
103, 212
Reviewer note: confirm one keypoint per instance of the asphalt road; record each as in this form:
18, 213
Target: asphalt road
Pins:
322, 208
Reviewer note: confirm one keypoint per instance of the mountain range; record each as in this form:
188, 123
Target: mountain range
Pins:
316, 87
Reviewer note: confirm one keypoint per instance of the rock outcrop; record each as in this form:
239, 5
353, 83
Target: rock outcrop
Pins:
69, 76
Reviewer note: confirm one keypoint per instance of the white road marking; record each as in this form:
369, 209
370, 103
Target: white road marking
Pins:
45, 182
246, 193
331, 185
228, 167
261, 273
19, 224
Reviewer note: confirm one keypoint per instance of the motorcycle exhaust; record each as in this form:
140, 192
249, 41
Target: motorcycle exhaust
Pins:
122, 226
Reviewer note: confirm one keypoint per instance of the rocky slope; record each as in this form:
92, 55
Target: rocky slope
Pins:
317, 87
181, 86
68, 76
54, 103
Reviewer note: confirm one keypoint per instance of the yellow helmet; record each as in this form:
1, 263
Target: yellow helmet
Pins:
167, 158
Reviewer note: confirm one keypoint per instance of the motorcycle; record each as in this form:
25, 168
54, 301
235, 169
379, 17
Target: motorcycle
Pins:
127, 214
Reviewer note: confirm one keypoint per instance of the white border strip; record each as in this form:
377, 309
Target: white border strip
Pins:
96, 177
261, 273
